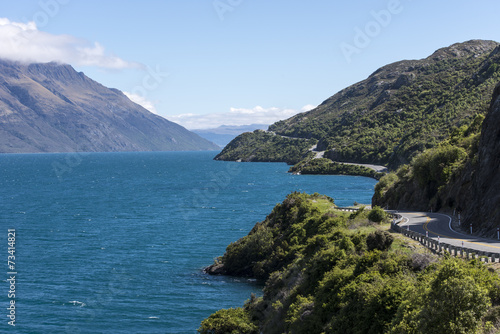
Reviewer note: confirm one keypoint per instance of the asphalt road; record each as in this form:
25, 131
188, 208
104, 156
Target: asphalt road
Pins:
439, 225
377, 168
320, 154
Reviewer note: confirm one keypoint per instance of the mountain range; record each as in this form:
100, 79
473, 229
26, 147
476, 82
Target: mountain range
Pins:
51, 107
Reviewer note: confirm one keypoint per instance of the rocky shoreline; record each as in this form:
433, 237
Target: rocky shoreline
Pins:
216, 269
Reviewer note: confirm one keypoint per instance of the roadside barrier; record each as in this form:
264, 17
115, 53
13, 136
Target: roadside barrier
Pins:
347, 209
441, 247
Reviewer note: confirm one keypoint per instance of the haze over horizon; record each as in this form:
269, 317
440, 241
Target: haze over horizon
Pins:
204, 64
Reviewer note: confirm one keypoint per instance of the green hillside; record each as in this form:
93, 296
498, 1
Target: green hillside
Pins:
263, 146
328, 271
50, 107
461, 173
398, 111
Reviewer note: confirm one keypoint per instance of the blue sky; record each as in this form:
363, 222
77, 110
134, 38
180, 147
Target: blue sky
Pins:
204, 63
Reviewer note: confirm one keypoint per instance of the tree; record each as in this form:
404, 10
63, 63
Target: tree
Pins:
233, 321
380, 240
377, 214
456, 302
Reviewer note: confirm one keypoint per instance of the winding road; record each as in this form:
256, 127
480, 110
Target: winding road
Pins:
434, 225
439, 225
321, 154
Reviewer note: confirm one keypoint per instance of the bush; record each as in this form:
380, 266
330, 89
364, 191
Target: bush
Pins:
233, 320
384, 184
380, 240
377, 214
453, 297
457, 302
242, 254
438, 164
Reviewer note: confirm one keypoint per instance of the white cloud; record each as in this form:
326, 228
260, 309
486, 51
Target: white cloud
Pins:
25, 43
237, 116
142, 101
307, 107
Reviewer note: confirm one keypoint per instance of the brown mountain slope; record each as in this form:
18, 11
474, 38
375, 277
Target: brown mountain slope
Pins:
52, 108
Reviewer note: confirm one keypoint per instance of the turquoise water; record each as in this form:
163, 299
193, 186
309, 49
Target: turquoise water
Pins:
115, 242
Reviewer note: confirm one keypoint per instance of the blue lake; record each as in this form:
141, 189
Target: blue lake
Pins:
116, 242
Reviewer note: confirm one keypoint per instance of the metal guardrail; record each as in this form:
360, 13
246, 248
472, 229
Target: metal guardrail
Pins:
441, 247
347, 209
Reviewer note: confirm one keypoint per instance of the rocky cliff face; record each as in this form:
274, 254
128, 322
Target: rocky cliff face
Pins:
52, 108
481, 196
474, 189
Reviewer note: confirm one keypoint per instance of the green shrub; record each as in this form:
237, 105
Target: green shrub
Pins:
377, 214
380, 240
242, 254
230, 321
384, 184
453, 297
438, 164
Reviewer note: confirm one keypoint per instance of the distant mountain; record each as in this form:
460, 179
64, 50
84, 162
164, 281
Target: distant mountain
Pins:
225, 133
388, 118
52, 108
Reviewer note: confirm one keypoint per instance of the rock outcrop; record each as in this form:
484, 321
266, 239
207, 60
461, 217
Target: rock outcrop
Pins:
473, 190
481, 197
